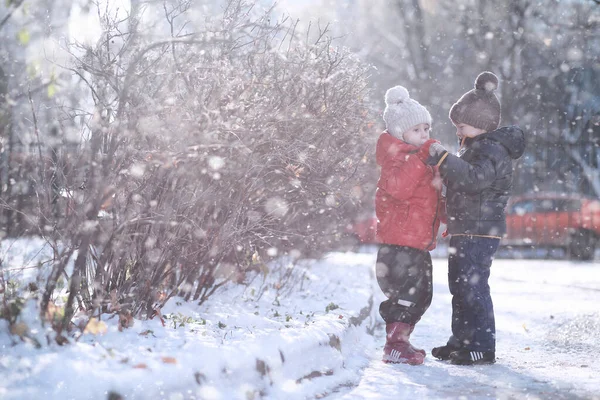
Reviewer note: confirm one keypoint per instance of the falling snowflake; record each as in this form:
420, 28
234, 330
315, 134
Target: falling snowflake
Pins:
276, 206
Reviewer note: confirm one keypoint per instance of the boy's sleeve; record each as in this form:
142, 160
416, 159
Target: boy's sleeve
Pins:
401, 178
469, 177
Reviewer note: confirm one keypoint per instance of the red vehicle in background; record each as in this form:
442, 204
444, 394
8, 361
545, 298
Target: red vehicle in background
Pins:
550, 220
568, 221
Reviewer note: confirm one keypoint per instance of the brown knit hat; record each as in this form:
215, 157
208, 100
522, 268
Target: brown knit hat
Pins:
479, 107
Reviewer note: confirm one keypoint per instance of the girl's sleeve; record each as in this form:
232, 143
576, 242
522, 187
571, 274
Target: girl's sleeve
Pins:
401, 177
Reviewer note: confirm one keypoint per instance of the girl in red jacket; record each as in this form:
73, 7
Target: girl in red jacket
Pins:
409, 209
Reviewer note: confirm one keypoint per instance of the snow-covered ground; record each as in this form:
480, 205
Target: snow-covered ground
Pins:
548, 340
313, 340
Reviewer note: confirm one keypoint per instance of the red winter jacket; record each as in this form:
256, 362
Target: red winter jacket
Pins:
408, 207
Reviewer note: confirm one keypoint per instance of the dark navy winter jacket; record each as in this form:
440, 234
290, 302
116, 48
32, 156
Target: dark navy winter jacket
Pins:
479, 181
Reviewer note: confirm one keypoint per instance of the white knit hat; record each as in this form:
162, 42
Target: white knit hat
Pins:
401, 112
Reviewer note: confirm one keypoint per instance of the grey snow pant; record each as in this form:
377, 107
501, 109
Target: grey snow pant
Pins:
404, 275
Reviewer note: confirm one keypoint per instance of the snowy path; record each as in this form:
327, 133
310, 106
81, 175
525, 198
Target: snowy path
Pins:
548, 325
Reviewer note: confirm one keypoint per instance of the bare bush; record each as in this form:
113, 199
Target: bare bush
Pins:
209, 153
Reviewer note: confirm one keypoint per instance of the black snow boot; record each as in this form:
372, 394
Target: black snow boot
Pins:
466, 357
443, 352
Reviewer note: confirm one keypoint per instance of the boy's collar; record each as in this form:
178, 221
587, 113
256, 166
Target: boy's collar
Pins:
466, 141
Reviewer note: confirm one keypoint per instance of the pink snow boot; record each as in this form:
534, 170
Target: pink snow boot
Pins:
412, 328
397, 347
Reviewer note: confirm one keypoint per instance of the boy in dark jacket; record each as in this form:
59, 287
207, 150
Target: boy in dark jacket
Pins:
408, 210
479, 182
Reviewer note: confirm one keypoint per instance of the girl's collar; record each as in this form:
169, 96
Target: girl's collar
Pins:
401, 140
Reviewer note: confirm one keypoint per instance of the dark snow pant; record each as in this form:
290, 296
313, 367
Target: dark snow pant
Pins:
473, 325
404, 275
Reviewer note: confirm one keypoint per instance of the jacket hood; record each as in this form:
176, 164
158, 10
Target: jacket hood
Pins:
389, 147
511, 137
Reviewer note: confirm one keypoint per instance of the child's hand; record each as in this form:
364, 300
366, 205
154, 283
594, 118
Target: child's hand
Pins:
431, 152
423, 152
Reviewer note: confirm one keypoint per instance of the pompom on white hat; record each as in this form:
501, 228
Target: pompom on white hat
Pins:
402, 113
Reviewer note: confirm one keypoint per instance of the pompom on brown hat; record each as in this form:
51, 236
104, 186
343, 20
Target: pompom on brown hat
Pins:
479, 107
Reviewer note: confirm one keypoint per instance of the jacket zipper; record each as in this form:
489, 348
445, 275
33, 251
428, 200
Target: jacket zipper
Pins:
437, 207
